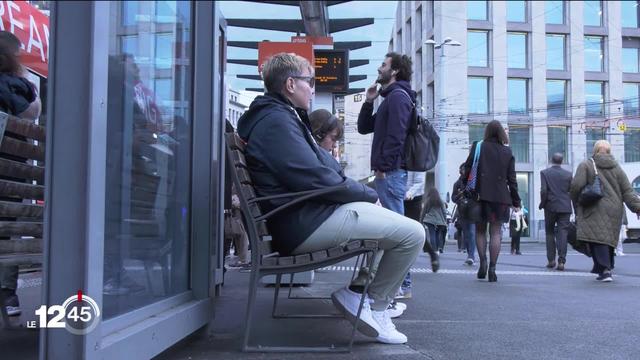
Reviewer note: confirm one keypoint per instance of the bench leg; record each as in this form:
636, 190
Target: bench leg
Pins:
359, 259
364, 294
253, 288
277, 315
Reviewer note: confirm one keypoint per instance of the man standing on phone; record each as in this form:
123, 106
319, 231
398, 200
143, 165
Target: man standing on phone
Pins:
389, 127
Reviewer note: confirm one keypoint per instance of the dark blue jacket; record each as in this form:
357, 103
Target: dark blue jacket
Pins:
283, 157
389, 126
16, 93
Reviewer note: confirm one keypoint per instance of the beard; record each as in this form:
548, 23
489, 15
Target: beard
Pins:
384, 78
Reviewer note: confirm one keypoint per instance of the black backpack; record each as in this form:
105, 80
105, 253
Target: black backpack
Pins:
421, 144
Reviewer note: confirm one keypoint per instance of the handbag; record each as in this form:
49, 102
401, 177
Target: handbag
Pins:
591, 193
577, 245
421, 144
469, 203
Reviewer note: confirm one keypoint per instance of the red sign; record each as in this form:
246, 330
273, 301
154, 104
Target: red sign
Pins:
32, 28
315, 40
266, 49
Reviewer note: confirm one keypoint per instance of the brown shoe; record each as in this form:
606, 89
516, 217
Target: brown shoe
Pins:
560, 266
551, 264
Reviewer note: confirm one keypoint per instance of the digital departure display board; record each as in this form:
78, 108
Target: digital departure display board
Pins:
332, 70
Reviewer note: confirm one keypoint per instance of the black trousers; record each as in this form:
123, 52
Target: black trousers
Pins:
556, 238
515, 236
413, 208
602, 256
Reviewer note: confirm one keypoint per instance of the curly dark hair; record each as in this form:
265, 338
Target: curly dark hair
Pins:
495, 131
402, 64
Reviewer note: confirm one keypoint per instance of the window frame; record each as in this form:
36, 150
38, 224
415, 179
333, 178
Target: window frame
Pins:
602, 14
565, 109
488, 99
487, 15
564, 50
564, 14
526, 12
637, 10
603, 92
487, 49
565, 158
526, 49
527, 99
602, 52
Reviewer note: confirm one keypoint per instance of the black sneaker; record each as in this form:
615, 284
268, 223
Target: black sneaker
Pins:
11, 303
605, 277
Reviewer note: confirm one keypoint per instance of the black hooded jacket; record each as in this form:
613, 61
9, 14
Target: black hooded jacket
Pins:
283, 157
16, 93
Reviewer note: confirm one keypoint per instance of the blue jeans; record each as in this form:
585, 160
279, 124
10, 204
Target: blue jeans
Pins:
469, 236
391, 190
433, 236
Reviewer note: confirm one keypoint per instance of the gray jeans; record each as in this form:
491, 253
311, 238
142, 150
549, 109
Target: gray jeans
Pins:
400, 237
556, 236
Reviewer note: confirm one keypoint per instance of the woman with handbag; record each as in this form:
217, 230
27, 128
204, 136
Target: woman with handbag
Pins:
491, 183
599, 188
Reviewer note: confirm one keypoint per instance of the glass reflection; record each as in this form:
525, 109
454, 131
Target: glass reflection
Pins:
555, 51
148, 157
517, 50
477, 48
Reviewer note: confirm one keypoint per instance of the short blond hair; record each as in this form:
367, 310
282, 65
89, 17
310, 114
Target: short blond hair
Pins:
281, 66
601, 147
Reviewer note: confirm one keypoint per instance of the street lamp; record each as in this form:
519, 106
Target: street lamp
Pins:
441, 173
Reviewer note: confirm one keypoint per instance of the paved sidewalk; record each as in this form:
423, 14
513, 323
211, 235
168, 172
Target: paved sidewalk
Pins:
530, 313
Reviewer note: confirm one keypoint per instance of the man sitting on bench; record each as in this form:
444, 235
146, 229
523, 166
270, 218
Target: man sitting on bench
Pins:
283, 157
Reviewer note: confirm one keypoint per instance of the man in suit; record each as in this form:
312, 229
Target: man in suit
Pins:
554, 199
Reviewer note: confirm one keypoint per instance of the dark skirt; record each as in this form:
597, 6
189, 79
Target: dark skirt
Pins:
494, 212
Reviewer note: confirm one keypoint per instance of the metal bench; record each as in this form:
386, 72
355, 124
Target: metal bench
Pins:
264, 261
22, 155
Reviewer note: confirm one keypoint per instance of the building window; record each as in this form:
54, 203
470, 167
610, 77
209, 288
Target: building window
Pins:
478, 95
629, 14
631, 97
593, 135
477, 10
517, 11
476, 132
418, 68
630, 60
556, 44
517, 96
594, 53
517, 50
556, 98
632, 145
558, 141
478, 48
554, 12
592, 13
594, 98
407, 33
519, 142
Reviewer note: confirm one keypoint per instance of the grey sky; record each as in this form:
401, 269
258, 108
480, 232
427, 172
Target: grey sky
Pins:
379, 34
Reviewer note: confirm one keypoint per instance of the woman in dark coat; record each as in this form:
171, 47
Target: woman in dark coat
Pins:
599, 224
497, 191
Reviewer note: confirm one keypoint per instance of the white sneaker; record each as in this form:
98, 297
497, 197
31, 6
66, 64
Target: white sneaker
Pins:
396, 309
348, 302
619, 253
388, 333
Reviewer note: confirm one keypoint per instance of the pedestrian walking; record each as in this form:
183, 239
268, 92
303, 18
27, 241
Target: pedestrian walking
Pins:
465, 225
434, 218
517, 225
599, 223
556, 203
493, 177
623, 235
414, 209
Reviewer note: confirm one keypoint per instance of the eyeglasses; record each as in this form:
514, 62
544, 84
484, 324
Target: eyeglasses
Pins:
310, 79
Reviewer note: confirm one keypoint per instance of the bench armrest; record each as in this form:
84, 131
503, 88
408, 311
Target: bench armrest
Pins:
299, 197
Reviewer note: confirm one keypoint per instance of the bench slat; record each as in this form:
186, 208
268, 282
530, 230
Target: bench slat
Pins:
20, 259
21, 170
21, 190
33, 246
243, 175
234, 141
238, 158
15, 209
23, 149
20, 228
26, 128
